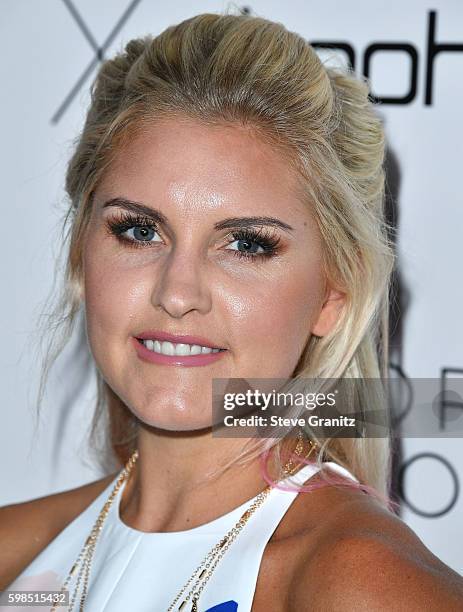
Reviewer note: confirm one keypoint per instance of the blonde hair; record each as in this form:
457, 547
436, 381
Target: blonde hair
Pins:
246, 70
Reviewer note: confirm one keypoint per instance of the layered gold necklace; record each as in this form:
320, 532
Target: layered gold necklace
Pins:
202, 573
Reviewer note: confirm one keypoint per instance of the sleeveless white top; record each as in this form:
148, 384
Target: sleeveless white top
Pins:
143, 571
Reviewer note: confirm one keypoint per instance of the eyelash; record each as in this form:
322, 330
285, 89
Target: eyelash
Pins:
268, 241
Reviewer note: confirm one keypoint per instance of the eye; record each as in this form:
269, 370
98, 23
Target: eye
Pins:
249, 241
141, 233
250, 247
136, 230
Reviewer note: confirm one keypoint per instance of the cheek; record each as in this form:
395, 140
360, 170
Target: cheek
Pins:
112, 296
275, 319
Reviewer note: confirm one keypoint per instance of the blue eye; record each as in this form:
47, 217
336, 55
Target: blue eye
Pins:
251, 240
142, 233
250, 247
143, 230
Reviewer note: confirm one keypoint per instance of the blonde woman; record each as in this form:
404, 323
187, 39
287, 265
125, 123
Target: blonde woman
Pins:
226, 221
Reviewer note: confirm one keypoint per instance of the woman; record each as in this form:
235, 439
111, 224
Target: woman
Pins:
226, 222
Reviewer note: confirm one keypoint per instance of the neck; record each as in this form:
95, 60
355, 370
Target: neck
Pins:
173, 485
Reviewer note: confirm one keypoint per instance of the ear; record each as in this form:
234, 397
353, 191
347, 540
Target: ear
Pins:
332, 307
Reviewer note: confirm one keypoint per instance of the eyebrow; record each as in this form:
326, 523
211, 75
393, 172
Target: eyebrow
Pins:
231, 222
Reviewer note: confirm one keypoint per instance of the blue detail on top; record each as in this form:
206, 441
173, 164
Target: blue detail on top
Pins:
226, 606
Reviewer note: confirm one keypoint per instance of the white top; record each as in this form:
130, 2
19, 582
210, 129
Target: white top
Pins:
143, 572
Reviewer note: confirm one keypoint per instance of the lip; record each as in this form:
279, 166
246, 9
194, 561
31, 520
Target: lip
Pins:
154, 334
182, 360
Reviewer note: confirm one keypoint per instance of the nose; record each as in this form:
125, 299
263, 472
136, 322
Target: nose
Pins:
182, 286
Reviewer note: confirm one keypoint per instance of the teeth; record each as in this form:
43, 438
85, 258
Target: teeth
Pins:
169, 348
182, 349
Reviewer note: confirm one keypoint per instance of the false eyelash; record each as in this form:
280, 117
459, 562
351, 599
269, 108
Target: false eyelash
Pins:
269, 242
125, 221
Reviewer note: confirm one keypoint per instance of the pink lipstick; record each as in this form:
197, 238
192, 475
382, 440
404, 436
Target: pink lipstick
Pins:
154, 334
183, 360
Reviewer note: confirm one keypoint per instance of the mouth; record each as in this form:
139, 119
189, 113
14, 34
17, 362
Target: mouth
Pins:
164, 348
178, 349
167, 353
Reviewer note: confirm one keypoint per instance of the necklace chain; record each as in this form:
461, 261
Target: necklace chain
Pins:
205, 568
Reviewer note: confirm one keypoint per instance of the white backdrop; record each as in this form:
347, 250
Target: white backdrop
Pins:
48, 62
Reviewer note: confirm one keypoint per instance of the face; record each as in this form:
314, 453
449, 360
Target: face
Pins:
174, 247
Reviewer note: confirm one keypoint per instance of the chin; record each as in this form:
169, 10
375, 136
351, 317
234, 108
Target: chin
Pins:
173, 420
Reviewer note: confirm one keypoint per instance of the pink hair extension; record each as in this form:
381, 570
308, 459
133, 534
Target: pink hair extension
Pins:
336, 480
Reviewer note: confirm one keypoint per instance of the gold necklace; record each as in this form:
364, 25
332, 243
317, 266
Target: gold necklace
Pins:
205, 568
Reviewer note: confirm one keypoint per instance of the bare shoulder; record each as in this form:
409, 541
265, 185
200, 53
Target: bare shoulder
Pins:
364, 558
26, 528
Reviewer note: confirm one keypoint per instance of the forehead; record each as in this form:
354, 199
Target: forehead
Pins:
206, 167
